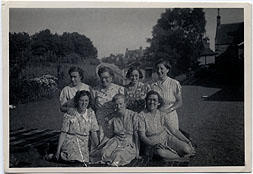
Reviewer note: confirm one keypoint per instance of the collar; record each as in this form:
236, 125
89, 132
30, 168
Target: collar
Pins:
85, 115
162, 82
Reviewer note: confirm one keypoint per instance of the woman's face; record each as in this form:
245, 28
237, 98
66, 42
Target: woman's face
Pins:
106, 79
83, 102
162, 71
152, 102
135, 76
120, 105
75, 78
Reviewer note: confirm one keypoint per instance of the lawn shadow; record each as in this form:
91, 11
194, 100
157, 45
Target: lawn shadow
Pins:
227, 94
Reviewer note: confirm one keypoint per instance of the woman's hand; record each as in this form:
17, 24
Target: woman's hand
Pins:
167, 110
121, 136
192, 148
71, 111
57, 155
170, 109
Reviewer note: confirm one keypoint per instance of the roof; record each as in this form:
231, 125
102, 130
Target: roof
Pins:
207, 52
226, 33
133, 53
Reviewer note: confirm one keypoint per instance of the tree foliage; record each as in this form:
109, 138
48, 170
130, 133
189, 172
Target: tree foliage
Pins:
47, 47
19, 52
51, 47
46, 51
177, 37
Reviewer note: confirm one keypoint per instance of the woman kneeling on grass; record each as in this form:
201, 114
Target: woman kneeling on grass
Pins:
154, 131
76, 128
122, 148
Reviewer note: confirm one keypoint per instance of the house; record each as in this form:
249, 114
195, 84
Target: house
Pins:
207, 56
228, 35
132, 55
229, 46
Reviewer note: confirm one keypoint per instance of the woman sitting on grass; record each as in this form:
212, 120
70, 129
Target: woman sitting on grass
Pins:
69, 91
122, 148
76, 128
155, 131
103, 95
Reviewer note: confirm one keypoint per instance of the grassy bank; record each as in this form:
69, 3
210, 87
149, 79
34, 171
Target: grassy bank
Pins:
216, 126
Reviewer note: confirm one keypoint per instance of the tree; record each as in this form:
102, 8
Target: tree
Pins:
19, 52
42, 43
79, 44
177, 37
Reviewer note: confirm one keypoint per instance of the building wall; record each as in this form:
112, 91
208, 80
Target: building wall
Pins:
209, 60
219, 49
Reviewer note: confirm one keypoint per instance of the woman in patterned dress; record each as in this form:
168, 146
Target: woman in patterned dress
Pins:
103, 95
68, 92
156, 132
122, 148
135, 91
76, 128
170, 90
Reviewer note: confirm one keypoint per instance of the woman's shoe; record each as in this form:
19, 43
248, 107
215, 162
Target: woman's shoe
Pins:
115, 164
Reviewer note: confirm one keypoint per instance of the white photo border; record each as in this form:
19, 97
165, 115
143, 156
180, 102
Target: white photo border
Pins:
6, 5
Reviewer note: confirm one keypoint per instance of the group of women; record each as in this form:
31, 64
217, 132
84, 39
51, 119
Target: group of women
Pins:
109, 122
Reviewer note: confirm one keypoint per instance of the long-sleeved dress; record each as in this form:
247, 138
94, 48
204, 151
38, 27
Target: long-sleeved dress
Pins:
77, 128
168, 90
121, 150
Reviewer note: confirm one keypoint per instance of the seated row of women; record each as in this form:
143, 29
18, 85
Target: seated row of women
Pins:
125, 127
115, 117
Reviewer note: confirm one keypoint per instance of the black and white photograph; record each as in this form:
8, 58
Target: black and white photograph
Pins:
107, 88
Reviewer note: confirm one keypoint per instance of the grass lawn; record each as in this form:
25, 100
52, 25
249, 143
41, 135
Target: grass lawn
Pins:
216, 126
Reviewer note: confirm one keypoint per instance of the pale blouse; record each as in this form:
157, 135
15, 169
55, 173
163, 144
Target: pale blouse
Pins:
168, 90
69, 92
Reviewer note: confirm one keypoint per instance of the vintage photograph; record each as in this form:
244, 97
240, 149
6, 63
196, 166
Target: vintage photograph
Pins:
126, 87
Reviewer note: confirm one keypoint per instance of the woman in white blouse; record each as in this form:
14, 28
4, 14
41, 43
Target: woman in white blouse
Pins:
69, 91
170, 90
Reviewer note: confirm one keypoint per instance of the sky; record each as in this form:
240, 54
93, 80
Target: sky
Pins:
110, 30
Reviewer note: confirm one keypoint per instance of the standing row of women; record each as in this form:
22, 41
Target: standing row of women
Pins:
116, 117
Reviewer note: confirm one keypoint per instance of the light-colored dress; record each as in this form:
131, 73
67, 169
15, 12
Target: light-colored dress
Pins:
77, 128
104, 106
121, 151
68, 93
135, 96
168, 90
154, 128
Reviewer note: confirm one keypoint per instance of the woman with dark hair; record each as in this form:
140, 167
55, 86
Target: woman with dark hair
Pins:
158, 135
103, 95
170, 90
76, 129
69, 91
135, 91
122, 148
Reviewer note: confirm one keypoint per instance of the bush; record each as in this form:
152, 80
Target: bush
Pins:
34, 89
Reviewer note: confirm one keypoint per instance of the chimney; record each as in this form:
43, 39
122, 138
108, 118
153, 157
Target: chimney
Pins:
126, 53
218, 18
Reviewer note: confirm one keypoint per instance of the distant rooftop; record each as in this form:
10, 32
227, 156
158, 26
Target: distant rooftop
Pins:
226, 33
207, 52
